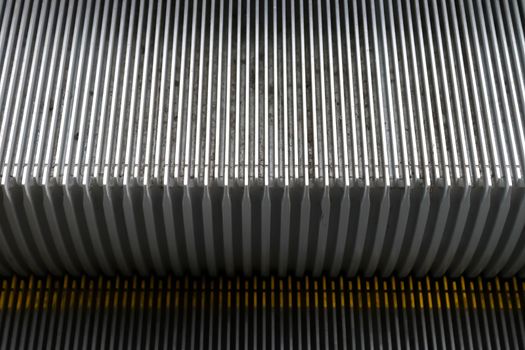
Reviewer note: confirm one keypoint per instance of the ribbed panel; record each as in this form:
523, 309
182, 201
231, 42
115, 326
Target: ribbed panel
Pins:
268, 313
256, 136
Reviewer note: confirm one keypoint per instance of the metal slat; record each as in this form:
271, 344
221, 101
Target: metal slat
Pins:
255, 136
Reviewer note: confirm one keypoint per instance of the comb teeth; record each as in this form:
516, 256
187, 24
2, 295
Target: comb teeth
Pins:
274, 313
262, 136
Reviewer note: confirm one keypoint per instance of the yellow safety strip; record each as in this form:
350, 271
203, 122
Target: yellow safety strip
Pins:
35, 293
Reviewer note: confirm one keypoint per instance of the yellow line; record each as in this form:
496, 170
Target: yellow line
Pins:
3, 294
429, 293
491, 300
124, 296
107, 295
412, 298
46, 294
500, 297
90, 294
464, 292
508, 296
307, 293
420, 293
385, 294
272, 293
342, 286
72, 295
159, 295
473, 296
394, 292
359, 296
150, 294
482, 297
19, 301
203, 298
281, 294
480, 284
290, 294
29, 294
298, 294
134, 293
516, 293
246, 294
36, 293
316, 301
368, 303
81, 292
456, 298
351, 294
11, 294
228, 297
438, 296
177, 289
447, 297
334, 297
325, 297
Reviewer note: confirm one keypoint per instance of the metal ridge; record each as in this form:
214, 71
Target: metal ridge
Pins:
262, 136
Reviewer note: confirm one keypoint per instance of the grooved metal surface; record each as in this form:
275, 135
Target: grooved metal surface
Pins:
262, 136
255, 313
